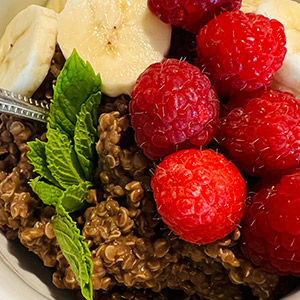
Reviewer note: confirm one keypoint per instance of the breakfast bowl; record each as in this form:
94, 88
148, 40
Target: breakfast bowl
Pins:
134, 253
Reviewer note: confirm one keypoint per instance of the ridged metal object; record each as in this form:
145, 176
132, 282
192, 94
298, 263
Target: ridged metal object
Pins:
23, 107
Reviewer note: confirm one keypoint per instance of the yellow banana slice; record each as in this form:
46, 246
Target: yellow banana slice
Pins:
56, 5
120, 38
287, 78
26, 49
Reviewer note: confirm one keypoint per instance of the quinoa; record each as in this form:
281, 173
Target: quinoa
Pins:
135, 255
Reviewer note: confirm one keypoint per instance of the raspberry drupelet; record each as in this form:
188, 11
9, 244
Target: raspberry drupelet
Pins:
199, 194
241, 52
271, 227
173, 107
264, 137
191, 15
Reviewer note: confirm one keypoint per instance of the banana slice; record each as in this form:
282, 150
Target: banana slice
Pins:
249, 6
56, 5
287, 78
26, 49
120, 38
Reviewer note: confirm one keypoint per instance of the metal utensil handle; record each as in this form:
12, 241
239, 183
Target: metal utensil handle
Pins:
24, 107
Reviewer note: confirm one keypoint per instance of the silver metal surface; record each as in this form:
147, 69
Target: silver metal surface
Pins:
28, 108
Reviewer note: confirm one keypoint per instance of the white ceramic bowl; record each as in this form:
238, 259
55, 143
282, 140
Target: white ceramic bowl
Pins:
24, 277
22, 274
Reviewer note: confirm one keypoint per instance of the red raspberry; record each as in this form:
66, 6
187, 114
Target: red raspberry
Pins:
241, 51
199, 194
264, 137
191, 15
173, 107
240, 100
271, 227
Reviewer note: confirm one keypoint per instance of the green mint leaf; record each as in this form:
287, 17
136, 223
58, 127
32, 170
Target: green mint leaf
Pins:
85, 134
48, 193
62, 160
37, 157
74, 197
74, 249
68, 163
75, 84
92, 105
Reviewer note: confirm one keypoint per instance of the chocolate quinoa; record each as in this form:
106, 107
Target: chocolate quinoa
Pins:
135, 256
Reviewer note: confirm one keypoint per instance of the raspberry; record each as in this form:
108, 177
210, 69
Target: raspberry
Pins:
240, 51
240, 100
199, 194
264, 137
173, 107
271, 227
191, 15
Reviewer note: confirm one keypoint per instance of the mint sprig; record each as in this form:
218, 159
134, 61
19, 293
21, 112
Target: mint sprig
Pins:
65, 162
72, 199
37, 157
74, 249
85, 134
76, 83
48, 193
62, 159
